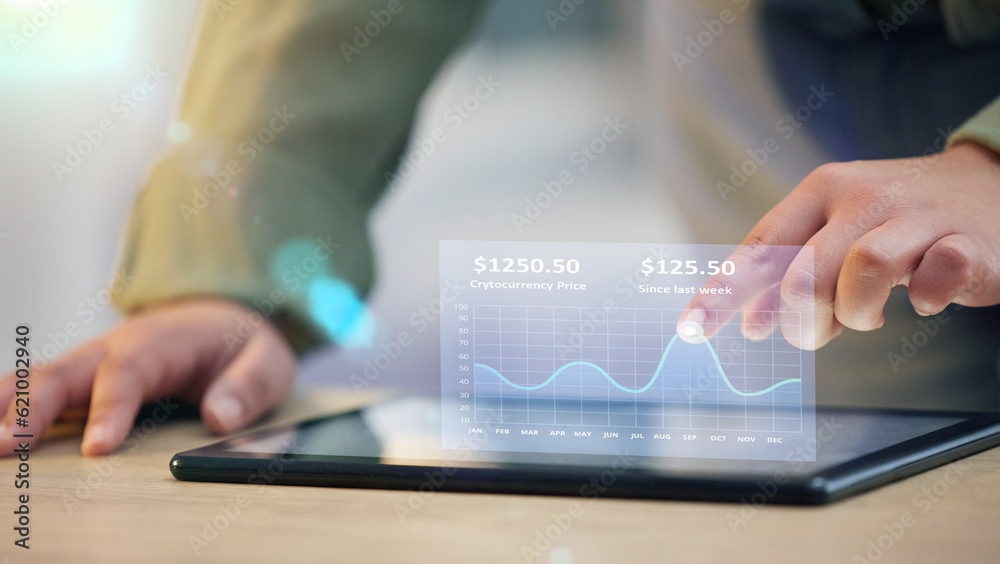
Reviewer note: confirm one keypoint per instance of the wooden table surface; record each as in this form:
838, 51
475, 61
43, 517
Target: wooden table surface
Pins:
130, 509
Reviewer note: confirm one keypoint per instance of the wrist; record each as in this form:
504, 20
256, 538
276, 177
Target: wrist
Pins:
973, 153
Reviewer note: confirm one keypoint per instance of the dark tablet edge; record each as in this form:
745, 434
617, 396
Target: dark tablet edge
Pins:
572, 482
886, 466
978, 432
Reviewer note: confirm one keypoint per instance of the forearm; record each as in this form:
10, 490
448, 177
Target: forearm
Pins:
295, 115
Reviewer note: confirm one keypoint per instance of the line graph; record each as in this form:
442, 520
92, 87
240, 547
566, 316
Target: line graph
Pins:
656, 374
628, 368
576, 347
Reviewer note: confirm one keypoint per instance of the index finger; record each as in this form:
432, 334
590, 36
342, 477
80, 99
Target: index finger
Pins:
54, 386
760, 261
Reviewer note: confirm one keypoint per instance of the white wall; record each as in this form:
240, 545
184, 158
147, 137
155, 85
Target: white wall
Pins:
58, 236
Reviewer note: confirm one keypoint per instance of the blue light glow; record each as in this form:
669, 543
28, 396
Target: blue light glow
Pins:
335, 307
305, 271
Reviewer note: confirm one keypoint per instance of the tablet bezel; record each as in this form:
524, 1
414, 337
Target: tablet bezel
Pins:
216, 463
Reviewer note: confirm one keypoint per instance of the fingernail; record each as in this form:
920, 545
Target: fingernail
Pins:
696, 315
227, 410
753, 332
94, 436
923, 308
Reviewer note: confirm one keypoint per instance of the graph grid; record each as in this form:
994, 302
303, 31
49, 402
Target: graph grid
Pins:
626, 367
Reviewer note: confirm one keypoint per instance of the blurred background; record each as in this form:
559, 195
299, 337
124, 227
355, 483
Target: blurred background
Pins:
65, 67
71, 68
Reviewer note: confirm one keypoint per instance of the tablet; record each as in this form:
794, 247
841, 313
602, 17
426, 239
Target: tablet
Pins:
396, 444
607, 369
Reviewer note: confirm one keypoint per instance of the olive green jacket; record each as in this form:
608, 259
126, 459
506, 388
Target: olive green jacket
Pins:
294, 116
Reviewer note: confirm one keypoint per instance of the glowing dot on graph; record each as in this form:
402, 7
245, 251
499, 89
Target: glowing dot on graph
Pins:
691, 332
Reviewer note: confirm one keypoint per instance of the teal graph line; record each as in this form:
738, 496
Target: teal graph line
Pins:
656, 374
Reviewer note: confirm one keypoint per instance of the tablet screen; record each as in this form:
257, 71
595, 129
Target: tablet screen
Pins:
406, 431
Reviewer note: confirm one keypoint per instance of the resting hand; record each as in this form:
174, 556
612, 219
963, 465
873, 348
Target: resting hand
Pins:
176, 350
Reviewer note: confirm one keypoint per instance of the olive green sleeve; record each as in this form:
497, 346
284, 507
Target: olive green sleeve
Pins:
292, 115
983, 128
